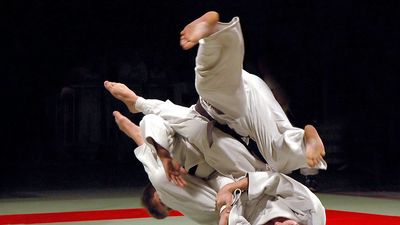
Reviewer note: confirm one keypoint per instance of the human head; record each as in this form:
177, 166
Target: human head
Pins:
152, 202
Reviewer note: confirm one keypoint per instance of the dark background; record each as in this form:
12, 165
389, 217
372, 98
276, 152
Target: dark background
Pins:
337, 62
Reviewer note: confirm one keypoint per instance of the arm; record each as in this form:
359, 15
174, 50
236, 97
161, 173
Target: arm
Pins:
160, 137
173, 169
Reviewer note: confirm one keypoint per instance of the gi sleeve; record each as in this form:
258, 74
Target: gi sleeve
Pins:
155, 129
269, 183
148, 158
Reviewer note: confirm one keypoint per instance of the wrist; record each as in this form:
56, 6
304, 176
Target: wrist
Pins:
162, 152
231, 187
241, 184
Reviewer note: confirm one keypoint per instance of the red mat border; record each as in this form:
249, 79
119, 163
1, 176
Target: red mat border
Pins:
334, 217
77, 216
337, 217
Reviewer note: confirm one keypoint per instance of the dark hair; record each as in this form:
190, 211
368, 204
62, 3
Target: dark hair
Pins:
148, 203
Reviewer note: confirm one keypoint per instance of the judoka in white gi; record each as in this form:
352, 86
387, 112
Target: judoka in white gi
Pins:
271, 196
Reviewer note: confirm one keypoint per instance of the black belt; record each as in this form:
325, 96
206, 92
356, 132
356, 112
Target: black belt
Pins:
251, 146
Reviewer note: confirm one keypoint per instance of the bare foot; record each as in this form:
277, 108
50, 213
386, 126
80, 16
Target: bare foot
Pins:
129, 128
123, 93
198, 29
315, 149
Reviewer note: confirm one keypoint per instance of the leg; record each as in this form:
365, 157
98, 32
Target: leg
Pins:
123, 93
283, 146
198, 29
219, 67
129, 128
167, 110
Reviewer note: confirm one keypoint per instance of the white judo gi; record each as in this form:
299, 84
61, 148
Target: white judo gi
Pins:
244, 101
271, 195
197, 199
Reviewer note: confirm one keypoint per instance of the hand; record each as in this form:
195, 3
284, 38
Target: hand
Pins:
224, 198
174, 171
